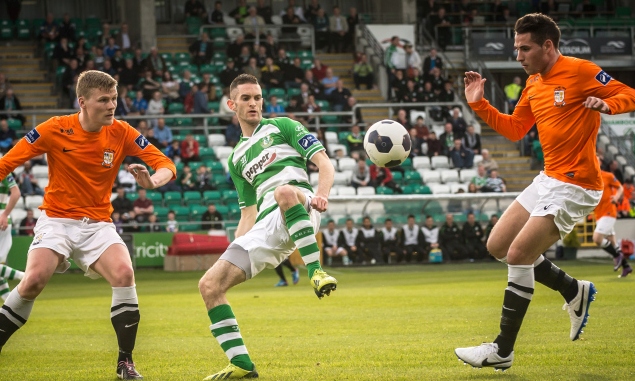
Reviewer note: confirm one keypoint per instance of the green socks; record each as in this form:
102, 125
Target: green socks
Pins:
303, 235
225, 329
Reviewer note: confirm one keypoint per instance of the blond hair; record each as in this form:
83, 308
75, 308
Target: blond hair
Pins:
94, 79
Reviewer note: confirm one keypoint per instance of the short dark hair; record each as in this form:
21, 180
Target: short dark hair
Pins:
241, 80
388, 220
329, 221
411, 216
349, 219
470, 213
541, 27
428, 216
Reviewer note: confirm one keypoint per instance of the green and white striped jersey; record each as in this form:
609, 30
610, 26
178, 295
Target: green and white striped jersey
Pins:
274, 155
5, 191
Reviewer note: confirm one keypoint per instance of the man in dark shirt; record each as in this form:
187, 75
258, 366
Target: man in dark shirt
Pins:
230, 73
217, 16
27, 224
339, 96
264, 11
451, 239
293, 74
473, 235
201, 50
67, 28
194, 8
211, 219
121, 204
143, 206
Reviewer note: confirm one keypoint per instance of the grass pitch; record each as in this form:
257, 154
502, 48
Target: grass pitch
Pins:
383, 323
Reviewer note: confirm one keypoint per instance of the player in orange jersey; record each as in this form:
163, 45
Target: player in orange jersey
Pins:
605, 215
85, 151
564, 97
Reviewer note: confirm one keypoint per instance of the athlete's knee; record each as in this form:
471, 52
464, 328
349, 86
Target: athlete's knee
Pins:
123, 275
516, 256
209, 285
32, 285
598, 238
496, 248
286, 196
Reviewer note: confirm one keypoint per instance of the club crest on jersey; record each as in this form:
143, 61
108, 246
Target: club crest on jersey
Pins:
301, 130
266, 142
558, 97
109, 156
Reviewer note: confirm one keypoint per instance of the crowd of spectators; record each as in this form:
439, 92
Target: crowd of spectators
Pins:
410, 243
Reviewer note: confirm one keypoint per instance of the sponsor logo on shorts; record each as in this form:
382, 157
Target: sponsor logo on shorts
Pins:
547, 207
307, 141
38, 239
32, 136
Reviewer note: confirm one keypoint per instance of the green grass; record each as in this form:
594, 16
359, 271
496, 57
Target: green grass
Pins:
389, 323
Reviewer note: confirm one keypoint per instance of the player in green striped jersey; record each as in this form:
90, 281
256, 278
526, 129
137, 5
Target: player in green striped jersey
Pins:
9, 196
279, 212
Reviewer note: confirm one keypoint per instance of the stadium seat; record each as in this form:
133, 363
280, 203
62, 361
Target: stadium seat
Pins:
195, 165
132, 196
229, 196
454, 187
234, 211
324, 105
196, 211
341, 178
383, 190
14, 124
33, 201
407, 164
429, 176
440, 188
466, 175
6, 29
365, 191
440, 161
334, 147
171, 199
313, 178
346, 163
214, 140
192, 198
222, 153
212, 197
182, 212
421, 162
216, 167
422, 189
40, 171
397, 177
412, 177
449, 175
329, 119
23, 29
17, 215
155, 197
206, 153
176, 108
346, 191
331, 137
220, 182
201, 139
477, 159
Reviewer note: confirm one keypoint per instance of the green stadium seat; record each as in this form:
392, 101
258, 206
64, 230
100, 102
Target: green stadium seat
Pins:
433, 207
234, 211
330, 119
182, 212
216, 167
23, 29
212, 121
188, 226
623, 12
220, 182
193, 25
166, 56
341, 220
407, 164
460, 218
292, 92
397, 176
384, 190
192, 198
206, 153
304, 54
229, 197
176, 108
408, 189
212, 197
196, 211
207, 69
217, 32
155, 197
181, 57
279, 93
201, 139
161, 212
422, 189
132, 196
412, 177
183, 122
14, 124
219, 43
439, 218
172, 199
195, 165
6, 29
324, 105
223, 210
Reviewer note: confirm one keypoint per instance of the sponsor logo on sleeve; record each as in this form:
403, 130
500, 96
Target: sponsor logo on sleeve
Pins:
142, 142
603, 77
32, 136
307, 141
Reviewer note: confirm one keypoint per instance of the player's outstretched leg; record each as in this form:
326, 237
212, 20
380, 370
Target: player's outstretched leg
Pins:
213, 287
8, 273
13, 315
283, 280
125, 317
303, 235
578, 294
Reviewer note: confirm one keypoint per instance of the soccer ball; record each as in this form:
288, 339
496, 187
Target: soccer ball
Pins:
387, 143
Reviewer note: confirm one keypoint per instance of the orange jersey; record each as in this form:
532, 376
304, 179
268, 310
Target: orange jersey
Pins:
82, 165
606, 208
567, 129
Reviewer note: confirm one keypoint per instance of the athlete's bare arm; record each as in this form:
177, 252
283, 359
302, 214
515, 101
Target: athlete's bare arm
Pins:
247, 220
325, 181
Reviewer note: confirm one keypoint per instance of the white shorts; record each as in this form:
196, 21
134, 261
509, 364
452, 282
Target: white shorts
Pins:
84, 242
268, 242
605, 226
568, 203
6, 240
339, 251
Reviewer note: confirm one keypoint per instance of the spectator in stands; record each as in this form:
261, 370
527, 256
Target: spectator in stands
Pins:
170, 88
459, 125
352, 20
138, 62
211, 219
398, 85
253, 69
413, 59
321, 27
480, 180
49, 31
349, 240
116, 220
4, 84
106, 33
402, 118
297, 10
121, 204
338, 28
201, 51
292, 74
431, 62
314, 87
447, 94
143, 206
187, 179
311, 107
412, 241
447, 138
200, 101
472, 140
8, 137
123, 38
339, 96
217, 17
451, 239
422, 130
189, 149
149, 86
389, 240
126, 179
128, 76
153, 224
369, 242
108, 69
329, 82
614, 168
350, 104
441, 28
428, 94
380, 176
289, 17
585, 9
389, 62
512, 92
67, 28
140, 103
27, 224
233, 132
118, 62
130, 222
363, 73
155, 63
155, 107
430, 235
410, 94
273, 106
174, 151
229, 73
461, 157
416, 143
355, 142
494, 183
63, 53
195, 8
204, 179
163, 134
254, 25
235, 49
319, 69
488, 162
493, 220
122, 107
312, 11
9, 102
473, 235
28, 182
263, 10
240, 12
436, 81
172, 226
111, 48
272, 76
185, 85
361, 175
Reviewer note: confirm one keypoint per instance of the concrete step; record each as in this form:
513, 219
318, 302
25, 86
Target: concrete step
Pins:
522, 168
504, 153
498, 147
41, 104
13, 61
26, 66
33, 98
28, 76
513, 160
